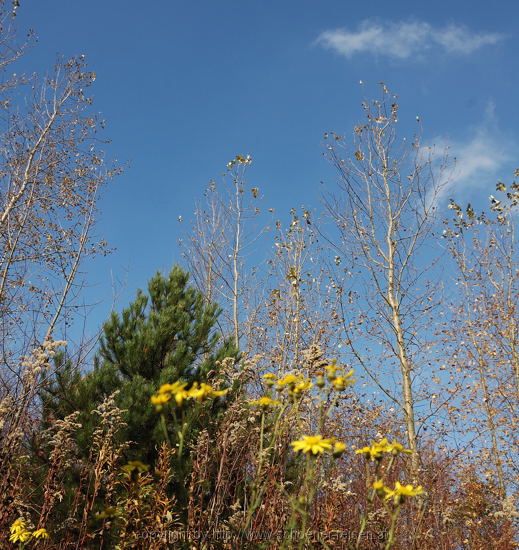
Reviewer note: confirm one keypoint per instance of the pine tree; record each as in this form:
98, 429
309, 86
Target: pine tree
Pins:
164, 335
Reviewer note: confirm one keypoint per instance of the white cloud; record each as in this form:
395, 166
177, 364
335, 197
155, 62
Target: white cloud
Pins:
402, 40
478, 162
457, 39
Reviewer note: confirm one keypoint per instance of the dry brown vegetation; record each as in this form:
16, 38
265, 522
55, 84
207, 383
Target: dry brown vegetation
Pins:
420, 451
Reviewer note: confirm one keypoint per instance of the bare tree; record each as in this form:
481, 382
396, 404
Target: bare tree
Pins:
301, 312
51, 172
485, 329
223, 234
385, 214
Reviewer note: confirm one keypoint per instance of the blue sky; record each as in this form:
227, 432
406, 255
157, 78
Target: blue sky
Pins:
185, 86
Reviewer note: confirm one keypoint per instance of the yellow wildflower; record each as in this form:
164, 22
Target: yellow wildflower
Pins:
17, 525
396, 448
301, 387
373, 452
166, 392
314, 444
40, 534
401, 491
19, 531
200, 392
340, 383
168, 388
383, 444
160, 399
338, 449
205, 391
378, 485
289, 380
331, 371
180, 393
265, 402
377, 449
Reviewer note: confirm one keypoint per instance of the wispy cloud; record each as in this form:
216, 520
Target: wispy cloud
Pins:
478, 162
402, 40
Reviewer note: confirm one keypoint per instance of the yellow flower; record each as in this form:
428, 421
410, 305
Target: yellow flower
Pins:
396, 448
265, 402
18, 524
167, 392
160, 399
314, 444
301, 387
168, 388
295, 382
340, 383
338, 449
401, 491
203, 391
178, 392
40, 534
200, 392
289, 380
331, 371
378, 485
20, 536
373, 452
377, 449
19, 531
